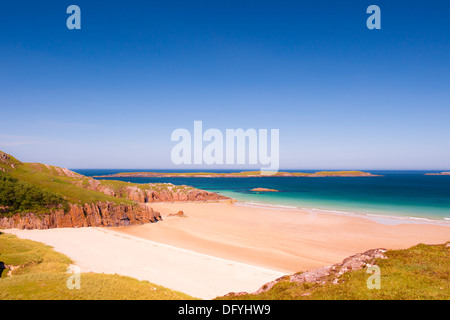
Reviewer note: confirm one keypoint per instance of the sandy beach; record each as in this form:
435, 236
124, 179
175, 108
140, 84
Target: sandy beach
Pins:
280, 239
222, 247
102, 250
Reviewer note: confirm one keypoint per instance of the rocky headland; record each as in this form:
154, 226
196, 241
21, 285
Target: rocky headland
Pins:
438, 174
40, 196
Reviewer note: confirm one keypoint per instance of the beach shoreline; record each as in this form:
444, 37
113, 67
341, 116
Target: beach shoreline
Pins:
223, 246
390, 219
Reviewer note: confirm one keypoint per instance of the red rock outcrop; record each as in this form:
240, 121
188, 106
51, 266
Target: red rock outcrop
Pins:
179, 195
325, 274
101, 214
168, 194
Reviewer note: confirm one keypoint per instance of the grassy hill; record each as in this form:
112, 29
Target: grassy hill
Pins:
38, 187
40, 274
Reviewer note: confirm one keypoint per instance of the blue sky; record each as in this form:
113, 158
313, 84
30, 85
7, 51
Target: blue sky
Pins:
110, 95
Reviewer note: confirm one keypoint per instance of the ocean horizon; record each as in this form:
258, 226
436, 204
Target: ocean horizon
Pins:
407, 194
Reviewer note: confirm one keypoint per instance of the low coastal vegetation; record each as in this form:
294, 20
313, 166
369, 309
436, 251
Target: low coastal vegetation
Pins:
19, 196
421, 272
35, 271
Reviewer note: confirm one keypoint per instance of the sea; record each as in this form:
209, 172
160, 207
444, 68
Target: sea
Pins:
392, 197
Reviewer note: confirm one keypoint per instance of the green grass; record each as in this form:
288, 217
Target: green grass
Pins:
20, 196
418, 273
7, 161
71, 188
42, 276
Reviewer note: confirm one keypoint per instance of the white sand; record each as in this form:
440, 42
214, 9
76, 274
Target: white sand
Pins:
103, 250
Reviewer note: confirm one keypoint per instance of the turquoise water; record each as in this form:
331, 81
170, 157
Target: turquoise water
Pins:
395, 193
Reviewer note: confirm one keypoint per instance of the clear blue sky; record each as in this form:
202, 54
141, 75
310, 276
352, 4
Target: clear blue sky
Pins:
110, 95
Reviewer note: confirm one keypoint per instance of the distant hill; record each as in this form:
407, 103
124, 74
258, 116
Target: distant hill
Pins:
242, 174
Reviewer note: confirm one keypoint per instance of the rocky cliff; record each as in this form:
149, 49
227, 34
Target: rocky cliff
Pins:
153, 192
101, 214
171, 193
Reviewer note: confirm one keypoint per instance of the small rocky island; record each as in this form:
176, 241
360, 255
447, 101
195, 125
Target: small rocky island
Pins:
264, 190
438, 174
